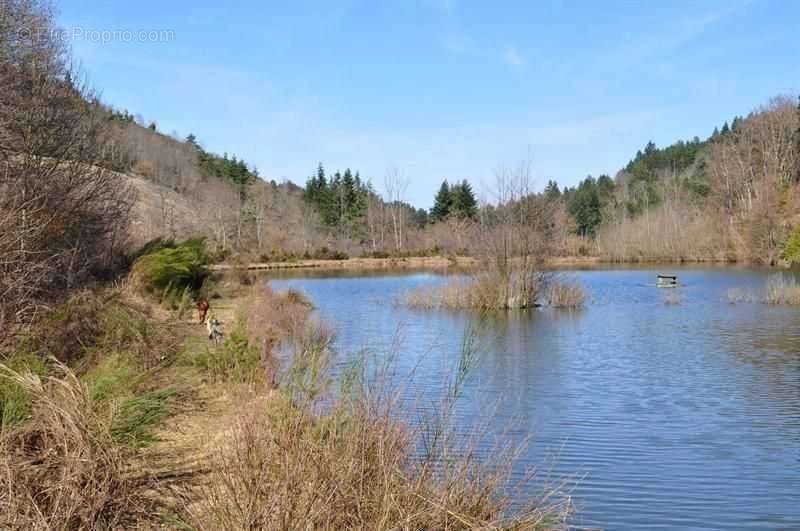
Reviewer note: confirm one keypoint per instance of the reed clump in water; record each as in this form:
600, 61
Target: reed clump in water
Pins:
672, 299
485, 291
566, 295
779, 289
782, 289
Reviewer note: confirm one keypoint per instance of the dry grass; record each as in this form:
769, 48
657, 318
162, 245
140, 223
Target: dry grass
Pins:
63, 469
741, 295
288, 469
779, 289
485, 291
356, 466
566, 295
782, 289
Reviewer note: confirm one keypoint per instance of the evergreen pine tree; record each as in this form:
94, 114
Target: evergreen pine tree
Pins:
551, 191
463, 202
584, 206
348, 196
442, 203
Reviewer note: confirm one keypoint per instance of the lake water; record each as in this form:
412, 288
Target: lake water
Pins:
663, 416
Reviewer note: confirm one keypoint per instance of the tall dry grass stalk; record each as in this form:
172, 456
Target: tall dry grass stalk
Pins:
353, 462
62, 469
778, 289
566, 295
782, 289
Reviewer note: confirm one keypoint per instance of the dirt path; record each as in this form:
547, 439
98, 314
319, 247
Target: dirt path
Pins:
207, 410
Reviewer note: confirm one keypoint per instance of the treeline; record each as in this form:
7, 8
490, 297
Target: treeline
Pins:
734, 195
341, 200
234, 170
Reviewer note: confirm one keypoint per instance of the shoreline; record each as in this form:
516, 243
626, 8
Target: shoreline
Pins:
467, 262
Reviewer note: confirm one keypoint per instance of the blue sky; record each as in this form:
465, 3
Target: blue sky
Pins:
439, 89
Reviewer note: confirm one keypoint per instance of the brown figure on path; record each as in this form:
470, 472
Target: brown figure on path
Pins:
202, 309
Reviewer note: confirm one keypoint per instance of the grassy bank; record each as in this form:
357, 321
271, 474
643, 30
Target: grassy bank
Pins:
118, 413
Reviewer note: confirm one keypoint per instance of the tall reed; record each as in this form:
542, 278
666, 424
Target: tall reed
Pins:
352, 460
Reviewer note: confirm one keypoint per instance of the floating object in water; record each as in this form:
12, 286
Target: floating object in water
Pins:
667, 281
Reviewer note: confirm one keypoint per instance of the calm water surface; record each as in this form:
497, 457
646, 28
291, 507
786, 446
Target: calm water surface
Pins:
666, 416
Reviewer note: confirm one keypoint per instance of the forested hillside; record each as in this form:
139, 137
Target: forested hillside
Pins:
731, 196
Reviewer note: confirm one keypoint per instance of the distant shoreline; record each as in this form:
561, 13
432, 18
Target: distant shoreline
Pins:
458, 262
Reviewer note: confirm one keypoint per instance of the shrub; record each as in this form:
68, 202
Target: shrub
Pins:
67, 330
236, 360
131, 333
324, 253
170, 269
294, 296
791, 249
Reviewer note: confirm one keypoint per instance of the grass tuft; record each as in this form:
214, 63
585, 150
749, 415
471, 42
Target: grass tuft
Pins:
782, 289
134, 420
15, 399
236, 360
566, 295
779, 289
63, 469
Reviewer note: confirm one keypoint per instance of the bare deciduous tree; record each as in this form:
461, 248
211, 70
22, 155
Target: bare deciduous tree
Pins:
63, 216
396, 185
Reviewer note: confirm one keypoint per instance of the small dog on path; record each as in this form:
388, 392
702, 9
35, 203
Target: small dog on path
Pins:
202, 309
214, 327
